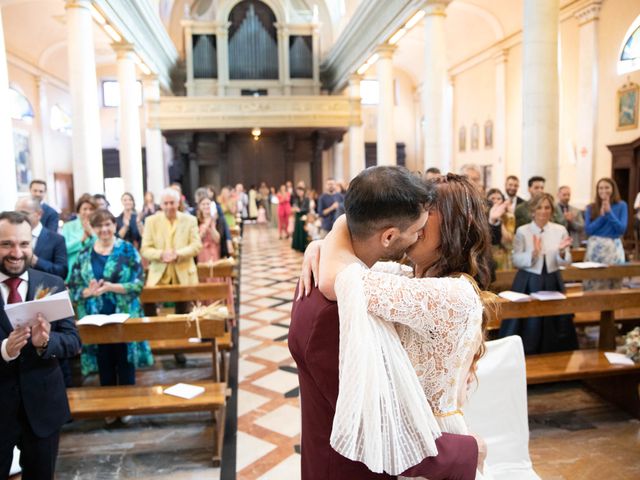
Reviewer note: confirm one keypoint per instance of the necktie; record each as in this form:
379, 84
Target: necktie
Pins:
14, 295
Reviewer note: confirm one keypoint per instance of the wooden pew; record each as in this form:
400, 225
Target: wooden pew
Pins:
202, 292
504, 278
92, 402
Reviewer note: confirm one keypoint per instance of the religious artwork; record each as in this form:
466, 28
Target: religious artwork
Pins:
22, 154
462, 139
488, 134
628, 106
475, 136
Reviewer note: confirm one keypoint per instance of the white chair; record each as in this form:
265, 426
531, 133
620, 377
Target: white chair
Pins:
15, 465
497, 410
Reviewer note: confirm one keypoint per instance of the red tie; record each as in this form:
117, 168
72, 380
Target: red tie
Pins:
14, 295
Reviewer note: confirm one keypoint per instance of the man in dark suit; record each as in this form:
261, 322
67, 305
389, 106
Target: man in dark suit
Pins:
49, 249
379, 197
32, 393
511, 186
50, 218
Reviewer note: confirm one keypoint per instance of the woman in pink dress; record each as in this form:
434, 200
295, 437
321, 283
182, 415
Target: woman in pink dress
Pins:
284, 212
207, 224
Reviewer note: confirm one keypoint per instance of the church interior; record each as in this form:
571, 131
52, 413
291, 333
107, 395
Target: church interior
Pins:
114, 96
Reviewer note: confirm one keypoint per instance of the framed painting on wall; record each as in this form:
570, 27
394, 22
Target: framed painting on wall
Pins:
488, 134
462, 139
628, 106
475, 136
22, 154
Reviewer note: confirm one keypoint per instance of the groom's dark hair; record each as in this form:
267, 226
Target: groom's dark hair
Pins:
382, 197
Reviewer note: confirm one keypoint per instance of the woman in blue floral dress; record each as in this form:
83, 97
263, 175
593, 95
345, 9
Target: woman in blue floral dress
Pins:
106, 278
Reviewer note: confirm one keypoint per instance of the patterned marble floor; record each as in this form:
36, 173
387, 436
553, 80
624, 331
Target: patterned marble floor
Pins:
574, 434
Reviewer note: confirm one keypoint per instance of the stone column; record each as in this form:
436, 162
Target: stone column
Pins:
316, 58
41, 167
434, 89
188, 54
153, 139
540, 91
222, 43
386, 139
587, 101
129, 123
8, 182
500, 124
283, 49
338, 161
356, 133
83, 88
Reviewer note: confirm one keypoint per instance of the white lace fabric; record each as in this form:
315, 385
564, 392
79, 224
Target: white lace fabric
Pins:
382, 416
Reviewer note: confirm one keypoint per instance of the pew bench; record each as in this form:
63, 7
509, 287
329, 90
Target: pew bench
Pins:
99, 402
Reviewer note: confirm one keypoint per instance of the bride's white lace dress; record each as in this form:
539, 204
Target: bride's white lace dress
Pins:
439, 322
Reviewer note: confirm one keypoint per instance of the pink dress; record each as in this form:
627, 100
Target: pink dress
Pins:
210, 249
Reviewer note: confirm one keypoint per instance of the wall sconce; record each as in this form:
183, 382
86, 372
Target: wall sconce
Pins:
256, 132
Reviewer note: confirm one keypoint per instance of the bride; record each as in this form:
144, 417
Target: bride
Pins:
438, 310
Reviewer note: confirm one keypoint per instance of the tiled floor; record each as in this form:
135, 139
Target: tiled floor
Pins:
574, 434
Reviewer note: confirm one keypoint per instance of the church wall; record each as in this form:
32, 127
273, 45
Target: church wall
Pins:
514, 117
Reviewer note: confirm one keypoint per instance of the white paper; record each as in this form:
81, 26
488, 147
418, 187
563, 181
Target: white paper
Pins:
53, 307
99, 320
584, 265
618, 358
184, 390
514, 296
545, 295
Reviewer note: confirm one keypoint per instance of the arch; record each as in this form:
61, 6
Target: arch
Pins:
276, 7
484, 14
49, 52
19, 105
629, 52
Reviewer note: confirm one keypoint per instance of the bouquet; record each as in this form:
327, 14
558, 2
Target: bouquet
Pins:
631, 345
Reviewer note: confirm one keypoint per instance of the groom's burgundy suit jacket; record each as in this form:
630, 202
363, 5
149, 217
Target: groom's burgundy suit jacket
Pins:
314, 344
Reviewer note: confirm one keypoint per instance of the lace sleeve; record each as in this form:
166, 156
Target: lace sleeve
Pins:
394, 268
424, 304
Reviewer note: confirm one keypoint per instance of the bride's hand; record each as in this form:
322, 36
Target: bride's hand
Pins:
310, 267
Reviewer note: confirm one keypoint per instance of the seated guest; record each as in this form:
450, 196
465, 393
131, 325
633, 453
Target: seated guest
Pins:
605, 223
78, 232
209, 234
50, 218
501, 246
107, 278
128, 226
49, 249
539, 248
572, 215
523, 210
150, 206
32, 393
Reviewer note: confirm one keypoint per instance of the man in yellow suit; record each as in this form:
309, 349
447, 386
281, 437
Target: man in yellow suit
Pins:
171, 242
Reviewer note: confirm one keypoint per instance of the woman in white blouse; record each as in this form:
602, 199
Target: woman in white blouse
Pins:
539, 248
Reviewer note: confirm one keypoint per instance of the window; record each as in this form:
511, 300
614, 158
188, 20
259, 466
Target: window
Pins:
629, 59
60, 120
369, 92
111, 93
19, 106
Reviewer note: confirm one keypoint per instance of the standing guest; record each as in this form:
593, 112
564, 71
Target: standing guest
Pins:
300, 207
253, 203
50, 218
539, 249
34, 400
150, 206
77, 233
284, 212
523, 210
101, 201
273, 207
432, 172
228, 205
474, 174
328, 206
511, 186
184, 205
107, 278
265, 195
128, 226
49, 251
501, 244
605, 223
312, 195
225, 242
572, 215
242, 200
208, 229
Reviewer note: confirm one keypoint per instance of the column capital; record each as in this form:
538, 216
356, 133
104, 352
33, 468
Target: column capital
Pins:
78, 4
589, 13
501, 56
123, 50
435, 7
354, 78
385, 51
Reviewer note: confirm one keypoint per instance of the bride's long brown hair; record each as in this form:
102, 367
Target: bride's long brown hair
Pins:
465, 241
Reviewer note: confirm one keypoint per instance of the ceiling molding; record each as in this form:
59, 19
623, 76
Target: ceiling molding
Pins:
36, 71
483, 13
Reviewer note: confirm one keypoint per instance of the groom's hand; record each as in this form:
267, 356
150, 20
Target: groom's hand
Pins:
482, 451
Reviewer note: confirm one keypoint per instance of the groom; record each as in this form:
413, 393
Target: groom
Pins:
388, 202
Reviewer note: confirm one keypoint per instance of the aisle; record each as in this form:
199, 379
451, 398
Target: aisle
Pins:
268, 405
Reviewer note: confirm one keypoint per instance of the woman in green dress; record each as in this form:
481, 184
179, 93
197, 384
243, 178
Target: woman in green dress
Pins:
78, 232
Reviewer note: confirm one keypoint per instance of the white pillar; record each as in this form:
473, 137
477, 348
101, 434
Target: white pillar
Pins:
587, 101
8, 181
500, 124
188, 53
222, 44
386, 139
129, 123
153, 139
316, 58
83, 87
540, 91
284, 75
356, 132
435, 133
338, 161
42, 119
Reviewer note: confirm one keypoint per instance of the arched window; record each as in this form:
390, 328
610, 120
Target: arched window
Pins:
629, 59
253, 43
19, 106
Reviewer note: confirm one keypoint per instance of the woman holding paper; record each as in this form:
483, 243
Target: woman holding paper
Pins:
539, 249
107, 278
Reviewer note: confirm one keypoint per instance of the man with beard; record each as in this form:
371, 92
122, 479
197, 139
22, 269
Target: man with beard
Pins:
32, 392
511, 186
